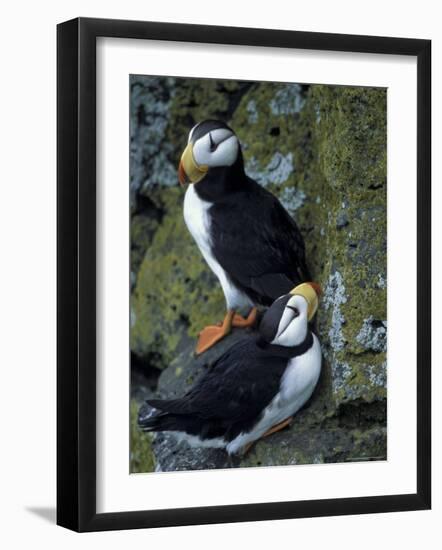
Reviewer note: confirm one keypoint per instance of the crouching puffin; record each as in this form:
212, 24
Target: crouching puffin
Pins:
244, 233
253, 389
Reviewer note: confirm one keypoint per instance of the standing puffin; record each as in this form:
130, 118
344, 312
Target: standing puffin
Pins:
254, 388
244, 233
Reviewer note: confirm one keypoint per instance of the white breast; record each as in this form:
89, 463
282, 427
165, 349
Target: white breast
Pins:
197, 218
297, 385
301, 376
198, 221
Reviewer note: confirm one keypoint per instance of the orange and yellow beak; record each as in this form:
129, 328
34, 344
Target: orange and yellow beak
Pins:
188, 170
311, 292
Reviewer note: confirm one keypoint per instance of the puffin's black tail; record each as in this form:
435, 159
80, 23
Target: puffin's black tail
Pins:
153, 418
162, 422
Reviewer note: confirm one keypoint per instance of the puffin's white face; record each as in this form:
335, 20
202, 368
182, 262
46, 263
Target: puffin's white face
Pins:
211, 144
218, 147
292, 327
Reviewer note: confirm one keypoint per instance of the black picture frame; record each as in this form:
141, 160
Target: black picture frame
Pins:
76, 274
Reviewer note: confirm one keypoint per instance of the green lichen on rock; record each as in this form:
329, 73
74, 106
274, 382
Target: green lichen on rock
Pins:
176, 294
142, 229
318, 446
350, 145
197, 99
322, 151
271, 142
141, 456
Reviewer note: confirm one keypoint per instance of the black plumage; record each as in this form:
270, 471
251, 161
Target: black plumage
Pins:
231, 397
253, 237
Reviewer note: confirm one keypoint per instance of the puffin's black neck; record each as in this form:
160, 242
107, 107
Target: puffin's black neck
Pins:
284, 351
223, 180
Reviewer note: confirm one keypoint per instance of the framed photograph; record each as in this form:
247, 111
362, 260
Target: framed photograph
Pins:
243, 274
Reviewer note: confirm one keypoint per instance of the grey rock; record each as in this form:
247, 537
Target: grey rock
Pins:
172, 455
342, 220
150, 153
373, 335
287, 101
292, 199
277, 171
341, 372
252, 111
334, 297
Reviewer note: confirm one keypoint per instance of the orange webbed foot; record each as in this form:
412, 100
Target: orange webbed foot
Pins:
212, 334
278, 427
240, 322
272, 430
208, 337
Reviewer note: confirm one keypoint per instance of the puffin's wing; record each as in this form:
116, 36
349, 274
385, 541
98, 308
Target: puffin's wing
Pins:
272, 285
239, 386
258, 243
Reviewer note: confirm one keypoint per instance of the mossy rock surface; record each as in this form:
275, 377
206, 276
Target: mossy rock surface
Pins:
176, 294
322, 151
141, 455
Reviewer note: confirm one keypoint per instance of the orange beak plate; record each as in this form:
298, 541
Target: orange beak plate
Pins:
182, 177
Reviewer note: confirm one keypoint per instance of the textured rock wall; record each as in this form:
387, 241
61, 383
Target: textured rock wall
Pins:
322, 151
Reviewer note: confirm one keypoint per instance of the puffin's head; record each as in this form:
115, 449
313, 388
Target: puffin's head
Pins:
285, 322
211, 144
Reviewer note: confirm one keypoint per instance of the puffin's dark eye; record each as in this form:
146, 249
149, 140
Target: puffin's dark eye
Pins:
295, 310
213, 145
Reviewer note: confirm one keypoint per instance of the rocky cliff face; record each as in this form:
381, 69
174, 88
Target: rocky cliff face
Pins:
322, 151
